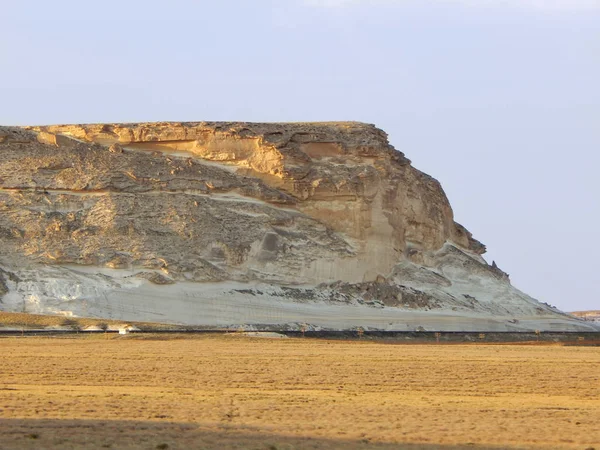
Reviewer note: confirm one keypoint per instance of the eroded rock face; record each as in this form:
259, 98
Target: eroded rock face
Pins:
283, 215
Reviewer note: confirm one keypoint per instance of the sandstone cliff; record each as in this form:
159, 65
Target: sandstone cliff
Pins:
241, 223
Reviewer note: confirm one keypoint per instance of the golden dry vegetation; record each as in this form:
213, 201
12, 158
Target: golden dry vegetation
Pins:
229, 391
37, 321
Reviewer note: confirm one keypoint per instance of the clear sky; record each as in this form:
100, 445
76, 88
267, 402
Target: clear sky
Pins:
497, 99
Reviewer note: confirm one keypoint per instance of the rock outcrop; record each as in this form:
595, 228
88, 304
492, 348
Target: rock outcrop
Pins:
225, 224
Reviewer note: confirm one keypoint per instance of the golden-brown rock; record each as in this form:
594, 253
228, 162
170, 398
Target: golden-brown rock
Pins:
311, 210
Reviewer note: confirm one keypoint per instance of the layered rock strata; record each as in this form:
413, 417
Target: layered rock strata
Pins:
229, 224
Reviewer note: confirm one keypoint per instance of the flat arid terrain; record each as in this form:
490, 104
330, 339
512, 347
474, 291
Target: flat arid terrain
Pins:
234, 391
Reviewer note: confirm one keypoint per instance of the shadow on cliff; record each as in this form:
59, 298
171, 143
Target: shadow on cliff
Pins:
122, 434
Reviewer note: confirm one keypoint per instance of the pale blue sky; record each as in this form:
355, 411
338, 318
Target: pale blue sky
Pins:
497, 99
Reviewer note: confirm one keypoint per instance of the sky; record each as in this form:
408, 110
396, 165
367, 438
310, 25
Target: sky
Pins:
497, 99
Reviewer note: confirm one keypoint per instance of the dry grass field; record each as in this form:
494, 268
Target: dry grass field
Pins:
229, 391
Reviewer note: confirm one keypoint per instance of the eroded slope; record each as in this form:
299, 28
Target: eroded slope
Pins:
238, 223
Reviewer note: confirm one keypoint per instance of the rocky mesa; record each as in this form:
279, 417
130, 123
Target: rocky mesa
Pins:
319, 225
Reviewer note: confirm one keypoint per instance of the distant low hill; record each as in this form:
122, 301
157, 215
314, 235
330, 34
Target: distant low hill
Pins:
592, 315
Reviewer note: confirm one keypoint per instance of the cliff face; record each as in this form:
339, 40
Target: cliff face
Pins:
239, 223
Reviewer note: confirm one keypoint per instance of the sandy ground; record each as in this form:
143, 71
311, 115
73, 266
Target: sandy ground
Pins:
229, 391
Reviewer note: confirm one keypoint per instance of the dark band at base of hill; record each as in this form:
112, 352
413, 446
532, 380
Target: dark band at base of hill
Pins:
564, 337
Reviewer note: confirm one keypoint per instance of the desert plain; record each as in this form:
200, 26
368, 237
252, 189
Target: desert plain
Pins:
239, 392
